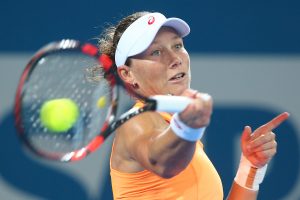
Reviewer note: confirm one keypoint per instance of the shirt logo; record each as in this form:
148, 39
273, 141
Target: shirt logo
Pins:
151, 20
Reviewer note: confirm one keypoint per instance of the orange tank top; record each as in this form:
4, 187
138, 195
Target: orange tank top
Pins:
198, 181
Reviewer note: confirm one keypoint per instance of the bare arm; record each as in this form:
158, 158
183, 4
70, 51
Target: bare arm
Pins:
157, 148
162, 152
239, 193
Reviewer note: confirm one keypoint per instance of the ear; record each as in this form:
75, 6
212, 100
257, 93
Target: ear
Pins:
125, 74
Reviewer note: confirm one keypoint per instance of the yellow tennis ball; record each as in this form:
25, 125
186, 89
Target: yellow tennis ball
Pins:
101, 102
59, 115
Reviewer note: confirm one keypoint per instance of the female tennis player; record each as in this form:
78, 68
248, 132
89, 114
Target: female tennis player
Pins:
160, 155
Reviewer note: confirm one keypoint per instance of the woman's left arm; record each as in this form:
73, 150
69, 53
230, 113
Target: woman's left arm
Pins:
258, 148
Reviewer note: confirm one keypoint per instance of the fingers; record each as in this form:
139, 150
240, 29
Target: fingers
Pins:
271, 125
190, 93
246, 137
195, 94
198, 113
267, 146
203, 102
261, 150
274, 123
261, 146
266, 155
261, 140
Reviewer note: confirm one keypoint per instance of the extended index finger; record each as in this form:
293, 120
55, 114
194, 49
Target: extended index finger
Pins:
271, 125
275, 122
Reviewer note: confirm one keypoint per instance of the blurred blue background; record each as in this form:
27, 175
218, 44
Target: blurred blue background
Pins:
217, 26
245, 53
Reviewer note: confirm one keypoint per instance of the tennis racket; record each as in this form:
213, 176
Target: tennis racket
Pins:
69, 69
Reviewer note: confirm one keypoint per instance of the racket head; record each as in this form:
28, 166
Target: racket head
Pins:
59, 70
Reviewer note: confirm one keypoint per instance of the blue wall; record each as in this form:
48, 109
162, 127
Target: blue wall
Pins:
217, 26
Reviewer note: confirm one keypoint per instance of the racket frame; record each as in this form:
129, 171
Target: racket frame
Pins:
111, 122
54, 47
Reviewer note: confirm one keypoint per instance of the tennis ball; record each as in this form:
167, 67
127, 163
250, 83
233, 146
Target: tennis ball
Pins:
101, 102
59, 115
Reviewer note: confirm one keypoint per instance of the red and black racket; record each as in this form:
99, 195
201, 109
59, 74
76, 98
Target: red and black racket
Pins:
69, 69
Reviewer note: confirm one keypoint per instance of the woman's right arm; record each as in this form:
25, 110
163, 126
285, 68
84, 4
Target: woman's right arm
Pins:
155, 145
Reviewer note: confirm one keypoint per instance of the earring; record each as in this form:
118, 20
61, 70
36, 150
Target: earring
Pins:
135, 85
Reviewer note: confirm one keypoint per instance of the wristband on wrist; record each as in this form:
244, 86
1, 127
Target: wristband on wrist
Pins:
185, 132
248, 175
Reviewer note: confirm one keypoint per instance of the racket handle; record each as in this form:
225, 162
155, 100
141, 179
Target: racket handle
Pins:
171, 104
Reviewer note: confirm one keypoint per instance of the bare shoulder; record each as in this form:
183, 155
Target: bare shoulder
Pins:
132, 136
143, 125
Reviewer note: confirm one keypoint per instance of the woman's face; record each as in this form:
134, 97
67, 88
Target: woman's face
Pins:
164, 68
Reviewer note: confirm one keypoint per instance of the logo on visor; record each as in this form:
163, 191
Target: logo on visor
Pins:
151, 20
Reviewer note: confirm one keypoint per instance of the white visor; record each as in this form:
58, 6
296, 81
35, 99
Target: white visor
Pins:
140, 34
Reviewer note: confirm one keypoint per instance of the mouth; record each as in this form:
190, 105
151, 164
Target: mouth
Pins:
178, 77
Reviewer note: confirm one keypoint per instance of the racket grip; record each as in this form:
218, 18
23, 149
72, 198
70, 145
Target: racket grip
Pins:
171, 104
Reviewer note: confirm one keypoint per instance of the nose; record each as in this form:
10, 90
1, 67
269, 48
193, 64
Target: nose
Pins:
175, 60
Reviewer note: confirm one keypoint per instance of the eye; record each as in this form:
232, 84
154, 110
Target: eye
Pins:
178, 46
156, 53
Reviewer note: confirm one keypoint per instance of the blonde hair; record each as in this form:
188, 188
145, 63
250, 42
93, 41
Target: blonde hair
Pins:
107, 44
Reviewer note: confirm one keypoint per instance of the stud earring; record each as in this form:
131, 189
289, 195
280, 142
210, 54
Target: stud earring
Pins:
135, 85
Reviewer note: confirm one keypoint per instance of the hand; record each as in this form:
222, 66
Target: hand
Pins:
198, 113
260, 146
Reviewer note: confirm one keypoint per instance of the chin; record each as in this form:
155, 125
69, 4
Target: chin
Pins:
178, 91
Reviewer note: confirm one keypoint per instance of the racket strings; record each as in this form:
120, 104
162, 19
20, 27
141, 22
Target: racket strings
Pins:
94, 74
69, 82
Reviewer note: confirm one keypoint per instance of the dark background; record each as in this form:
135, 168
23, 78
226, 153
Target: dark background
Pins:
217, 26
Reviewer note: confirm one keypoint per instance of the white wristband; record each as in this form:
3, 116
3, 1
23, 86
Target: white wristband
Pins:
185, 132
248, 175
